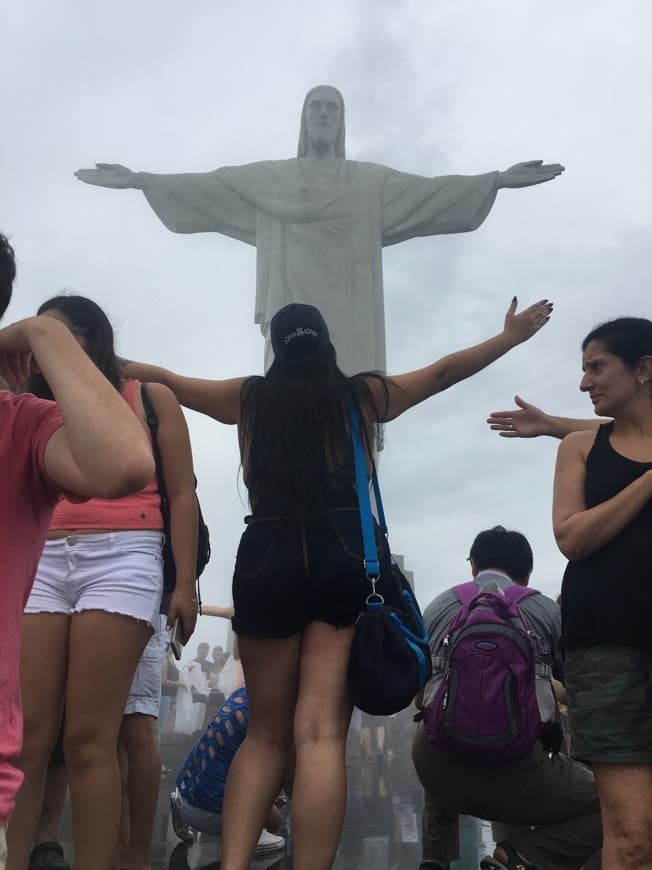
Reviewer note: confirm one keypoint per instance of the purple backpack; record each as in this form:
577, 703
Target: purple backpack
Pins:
482, 702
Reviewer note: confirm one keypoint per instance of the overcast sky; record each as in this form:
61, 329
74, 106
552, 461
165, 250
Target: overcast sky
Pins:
430, 87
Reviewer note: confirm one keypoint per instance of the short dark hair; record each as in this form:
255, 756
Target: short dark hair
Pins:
505, 550
7, 273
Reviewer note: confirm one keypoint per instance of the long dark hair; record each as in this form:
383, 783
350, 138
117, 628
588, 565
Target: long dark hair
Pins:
628, 338
294, 430
87, 318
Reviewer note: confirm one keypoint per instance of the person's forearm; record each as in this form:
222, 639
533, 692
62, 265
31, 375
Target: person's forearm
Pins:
214, 610
183, 523
462, 364
587, 531
145, 372
560, 427
104, 436
198, 394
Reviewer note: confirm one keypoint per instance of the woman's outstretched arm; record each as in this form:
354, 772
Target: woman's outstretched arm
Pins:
411, 388
217, 399
215, 610
528, 421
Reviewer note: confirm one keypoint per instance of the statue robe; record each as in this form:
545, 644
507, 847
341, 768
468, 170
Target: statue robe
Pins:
319, 226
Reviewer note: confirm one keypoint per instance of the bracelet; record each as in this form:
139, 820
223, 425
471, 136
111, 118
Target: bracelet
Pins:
193, 598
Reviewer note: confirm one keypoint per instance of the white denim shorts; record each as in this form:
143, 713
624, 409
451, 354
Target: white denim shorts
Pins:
145, 691
118, 572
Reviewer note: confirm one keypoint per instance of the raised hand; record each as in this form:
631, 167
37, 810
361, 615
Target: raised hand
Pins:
15, 352
520, 327
109, 175
529, 173
526, 421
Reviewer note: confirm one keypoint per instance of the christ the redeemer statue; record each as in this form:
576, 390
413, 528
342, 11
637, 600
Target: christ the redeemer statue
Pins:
319, 221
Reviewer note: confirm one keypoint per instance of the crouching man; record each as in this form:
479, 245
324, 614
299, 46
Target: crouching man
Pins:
489, 743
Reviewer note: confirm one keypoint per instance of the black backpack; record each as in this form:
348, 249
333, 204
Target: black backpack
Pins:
203, 537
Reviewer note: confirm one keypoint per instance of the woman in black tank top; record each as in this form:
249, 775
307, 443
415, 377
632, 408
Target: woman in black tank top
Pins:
602, 519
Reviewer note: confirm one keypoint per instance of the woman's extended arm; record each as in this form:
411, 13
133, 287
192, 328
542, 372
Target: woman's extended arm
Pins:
176, 458
579, 530
528, 421
215, 610
409, 389
217, 399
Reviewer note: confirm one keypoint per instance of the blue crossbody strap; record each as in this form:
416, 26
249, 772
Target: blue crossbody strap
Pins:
371, 563
382, 522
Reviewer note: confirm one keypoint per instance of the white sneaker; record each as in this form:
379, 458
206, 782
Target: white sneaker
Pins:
268, 843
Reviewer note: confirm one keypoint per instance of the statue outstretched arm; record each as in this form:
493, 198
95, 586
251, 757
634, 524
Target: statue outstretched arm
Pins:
112, 175
187, 202
407, 390
528, 421
528, 173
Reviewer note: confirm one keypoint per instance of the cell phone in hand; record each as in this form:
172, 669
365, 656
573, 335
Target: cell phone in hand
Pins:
176, 639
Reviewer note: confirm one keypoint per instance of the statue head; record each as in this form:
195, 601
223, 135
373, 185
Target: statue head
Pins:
322, 122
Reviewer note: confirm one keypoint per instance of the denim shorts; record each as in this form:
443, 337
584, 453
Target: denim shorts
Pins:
145, 690
290, 571
610, 704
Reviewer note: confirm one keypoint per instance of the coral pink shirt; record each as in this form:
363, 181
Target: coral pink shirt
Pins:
27, 498
141, 510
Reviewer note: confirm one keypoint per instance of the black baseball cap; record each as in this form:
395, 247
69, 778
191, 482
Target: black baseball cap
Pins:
298, 330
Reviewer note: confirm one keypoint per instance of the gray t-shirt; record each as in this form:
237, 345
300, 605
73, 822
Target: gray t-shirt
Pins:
541, 614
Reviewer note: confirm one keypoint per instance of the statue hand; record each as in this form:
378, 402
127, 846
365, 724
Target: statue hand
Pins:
520, 327
526, 421
109, 175
529, 173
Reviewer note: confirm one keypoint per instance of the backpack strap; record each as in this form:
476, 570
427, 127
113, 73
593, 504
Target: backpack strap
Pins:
152, 422
515, 593
466, 592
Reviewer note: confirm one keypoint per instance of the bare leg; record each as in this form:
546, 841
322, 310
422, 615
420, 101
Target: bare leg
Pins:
625, 792
122, 846
320, 727
138, 735
56, 789
274, 820
271, 674
104, 651
43, 675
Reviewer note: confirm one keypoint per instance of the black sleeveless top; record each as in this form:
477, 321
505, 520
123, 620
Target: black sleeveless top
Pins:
607, 596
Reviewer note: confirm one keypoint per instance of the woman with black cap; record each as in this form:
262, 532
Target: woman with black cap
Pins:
299, 583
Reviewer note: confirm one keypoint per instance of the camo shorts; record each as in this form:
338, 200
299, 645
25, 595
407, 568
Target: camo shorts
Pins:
610, 704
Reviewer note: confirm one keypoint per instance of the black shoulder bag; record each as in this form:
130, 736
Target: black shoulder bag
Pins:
390, 659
